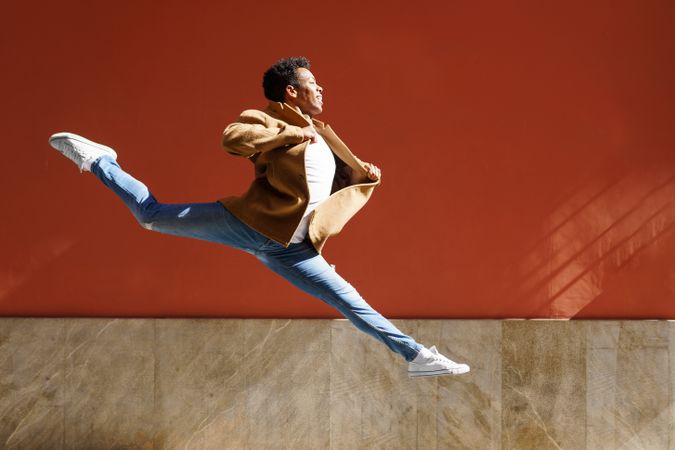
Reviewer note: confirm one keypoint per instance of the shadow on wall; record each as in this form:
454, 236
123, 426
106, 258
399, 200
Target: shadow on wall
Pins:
589, 241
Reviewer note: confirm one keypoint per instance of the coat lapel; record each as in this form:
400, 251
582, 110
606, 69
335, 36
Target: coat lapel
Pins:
338, 147
288, 114
291, 116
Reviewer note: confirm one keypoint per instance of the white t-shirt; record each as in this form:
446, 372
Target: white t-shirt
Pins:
320, 170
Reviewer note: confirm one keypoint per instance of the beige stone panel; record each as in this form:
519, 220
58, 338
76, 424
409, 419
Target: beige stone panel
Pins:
31, 383
287, 373
390, 403
348, 355
601, 334
642, 386
373, 403
602, 341
198, 386
226, 377
389, 410
213, 384
428, 333
469, 405
109, 383
40, 427
543, 385
179, 383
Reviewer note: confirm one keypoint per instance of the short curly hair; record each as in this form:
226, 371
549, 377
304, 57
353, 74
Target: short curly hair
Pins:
282, 74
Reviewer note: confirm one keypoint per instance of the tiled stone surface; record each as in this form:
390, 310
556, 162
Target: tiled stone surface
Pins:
372, 402
287, 383
629, 381
465, 411
642, 386
109, 383
543, 385
31, 383
474, 405
260, 384
602, 340
198, 386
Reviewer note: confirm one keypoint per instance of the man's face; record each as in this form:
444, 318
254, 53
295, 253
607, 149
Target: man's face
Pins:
309, 96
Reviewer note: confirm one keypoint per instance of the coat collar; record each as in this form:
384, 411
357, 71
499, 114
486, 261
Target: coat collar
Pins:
288, 114
292, 116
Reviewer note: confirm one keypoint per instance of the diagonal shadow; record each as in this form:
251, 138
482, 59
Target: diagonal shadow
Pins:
576, 255
614, 248
594, 197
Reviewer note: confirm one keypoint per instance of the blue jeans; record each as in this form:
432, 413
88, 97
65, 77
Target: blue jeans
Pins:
299, 263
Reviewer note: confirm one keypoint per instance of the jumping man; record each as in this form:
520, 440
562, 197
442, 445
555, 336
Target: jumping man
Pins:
307, 185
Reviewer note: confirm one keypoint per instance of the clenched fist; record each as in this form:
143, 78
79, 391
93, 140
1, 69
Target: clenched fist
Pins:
309, 134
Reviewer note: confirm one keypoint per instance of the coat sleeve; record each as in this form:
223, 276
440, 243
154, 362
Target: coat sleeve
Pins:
252, 134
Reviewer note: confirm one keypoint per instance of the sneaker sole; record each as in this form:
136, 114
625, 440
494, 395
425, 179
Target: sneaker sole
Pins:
78, 138
436, 373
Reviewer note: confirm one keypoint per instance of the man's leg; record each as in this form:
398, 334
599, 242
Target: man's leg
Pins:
306, 269
205, 221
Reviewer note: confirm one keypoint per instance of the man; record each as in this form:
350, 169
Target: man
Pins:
307, 185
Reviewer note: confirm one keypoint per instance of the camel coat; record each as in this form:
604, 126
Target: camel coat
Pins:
276, 200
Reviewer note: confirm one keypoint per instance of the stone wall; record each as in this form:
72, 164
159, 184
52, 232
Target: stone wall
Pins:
260, 384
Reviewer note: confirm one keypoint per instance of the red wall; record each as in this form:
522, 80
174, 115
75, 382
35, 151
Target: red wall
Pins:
527, 151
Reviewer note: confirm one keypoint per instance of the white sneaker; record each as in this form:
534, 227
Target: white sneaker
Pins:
430, 363
79, 150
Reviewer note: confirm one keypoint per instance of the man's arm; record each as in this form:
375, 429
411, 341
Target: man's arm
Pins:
251, 135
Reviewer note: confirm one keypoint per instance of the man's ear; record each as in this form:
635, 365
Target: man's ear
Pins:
291, 91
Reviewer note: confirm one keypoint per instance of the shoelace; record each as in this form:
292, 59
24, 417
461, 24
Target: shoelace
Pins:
442, 359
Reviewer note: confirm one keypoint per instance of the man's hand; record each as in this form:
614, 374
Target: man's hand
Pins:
373, 172
309, 134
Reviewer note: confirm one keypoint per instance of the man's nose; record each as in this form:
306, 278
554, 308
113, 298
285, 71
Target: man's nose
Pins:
319, 88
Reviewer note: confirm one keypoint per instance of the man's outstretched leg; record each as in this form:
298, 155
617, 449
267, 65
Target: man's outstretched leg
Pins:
205, 221
306, 269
